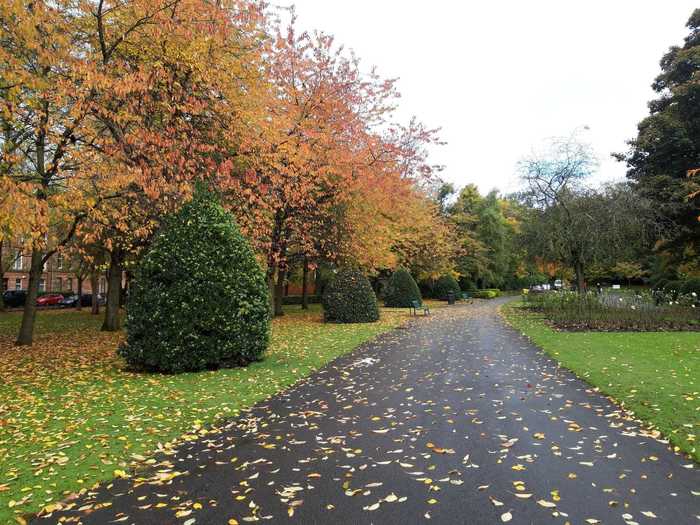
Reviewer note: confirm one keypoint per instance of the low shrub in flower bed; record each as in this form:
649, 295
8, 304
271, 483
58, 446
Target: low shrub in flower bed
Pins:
642, 311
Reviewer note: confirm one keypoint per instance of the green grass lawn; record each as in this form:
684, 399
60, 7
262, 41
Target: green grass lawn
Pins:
70, 415
655, 375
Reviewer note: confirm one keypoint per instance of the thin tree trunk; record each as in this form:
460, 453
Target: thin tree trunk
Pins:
279, 292
79, 304
94, 284
2, 278
270, 277
317, 280
580, 282
26, 331
305, 286
114, 291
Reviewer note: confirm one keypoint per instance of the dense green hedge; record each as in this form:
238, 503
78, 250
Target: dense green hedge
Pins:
401, 290
297, 299
445, 285
349, 298
198, 299
691, 285
673, 287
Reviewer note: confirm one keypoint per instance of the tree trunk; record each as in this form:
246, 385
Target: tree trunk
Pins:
114, 292
270, 278
26, 331
317, 280
580, 281
279, 292
2, 278
94, 284
79, 304
305, 286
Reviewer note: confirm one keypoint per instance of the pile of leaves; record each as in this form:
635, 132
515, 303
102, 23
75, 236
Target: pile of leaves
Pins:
349, 298
199, 299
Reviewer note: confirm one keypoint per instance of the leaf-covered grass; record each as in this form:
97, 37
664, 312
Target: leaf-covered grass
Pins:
70, 415
654, 375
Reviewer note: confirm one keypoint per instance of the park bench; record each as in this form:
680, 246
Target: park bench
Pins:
417, 305
467, 298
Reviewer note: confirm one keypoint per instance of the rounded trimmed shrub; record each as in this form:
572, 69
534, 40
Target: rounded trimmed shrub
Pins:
401, 290
349, 298
445, 285
691, 285
199, 299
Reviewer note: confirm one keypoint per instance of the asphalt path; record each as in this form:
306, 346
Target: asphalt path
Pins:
455, 418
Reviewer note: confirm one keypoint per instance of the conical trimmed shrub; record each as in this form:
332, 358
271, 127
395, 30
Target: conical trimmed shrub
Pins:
401, 290
349, 298
198, 299
444, 285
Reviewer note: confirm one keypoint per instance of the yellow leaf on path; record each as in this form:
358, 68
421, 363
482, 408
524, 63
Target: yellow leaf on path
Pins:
506, 517
546, 504
432, 501
233, 521
649, 514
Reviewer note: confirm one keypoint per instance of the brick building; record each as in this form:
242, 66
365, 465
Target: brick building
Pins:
58, 275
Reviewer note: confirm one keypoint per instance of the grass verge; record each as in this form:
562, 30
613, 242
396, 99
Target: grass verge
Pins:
70, 415
654, 375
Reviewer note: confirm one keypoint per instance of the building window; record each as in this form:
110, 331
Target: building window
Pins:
59, 261
18, 284
102, 286
69, 284
58, 284
42, 285
17, 263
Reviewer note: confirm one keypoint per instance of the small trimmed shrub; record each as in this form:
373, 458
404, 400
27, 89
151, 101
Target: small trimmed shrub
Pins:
198, 299
691, 285
401, 290
467, 285
444, 285
349, 298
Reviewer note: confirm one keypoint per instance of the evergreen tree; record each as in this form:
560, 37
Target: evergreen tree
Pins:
402, 290
199, 299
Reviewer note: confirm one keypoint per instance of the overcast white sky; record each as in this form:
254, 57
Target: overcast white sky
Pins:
500, 77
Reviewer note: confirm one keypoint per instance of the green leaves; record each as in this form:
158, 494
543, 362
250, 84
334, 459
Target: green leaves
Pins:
199, 299
349, 298
402, 290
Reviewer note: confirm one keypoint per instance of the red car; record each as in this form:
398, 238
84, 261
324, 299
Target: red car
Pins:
51, 299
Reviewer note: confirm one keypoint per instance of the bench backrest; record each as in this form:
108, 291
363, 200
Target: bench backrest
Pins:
416, 304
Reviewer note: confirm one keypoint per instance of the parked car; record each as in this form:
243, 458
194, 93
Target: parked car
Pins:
51, 299
14, 298
71, 301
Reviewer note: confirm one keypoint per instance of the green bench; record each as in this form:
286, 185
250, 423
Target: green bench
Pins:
467, 297
417, 305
